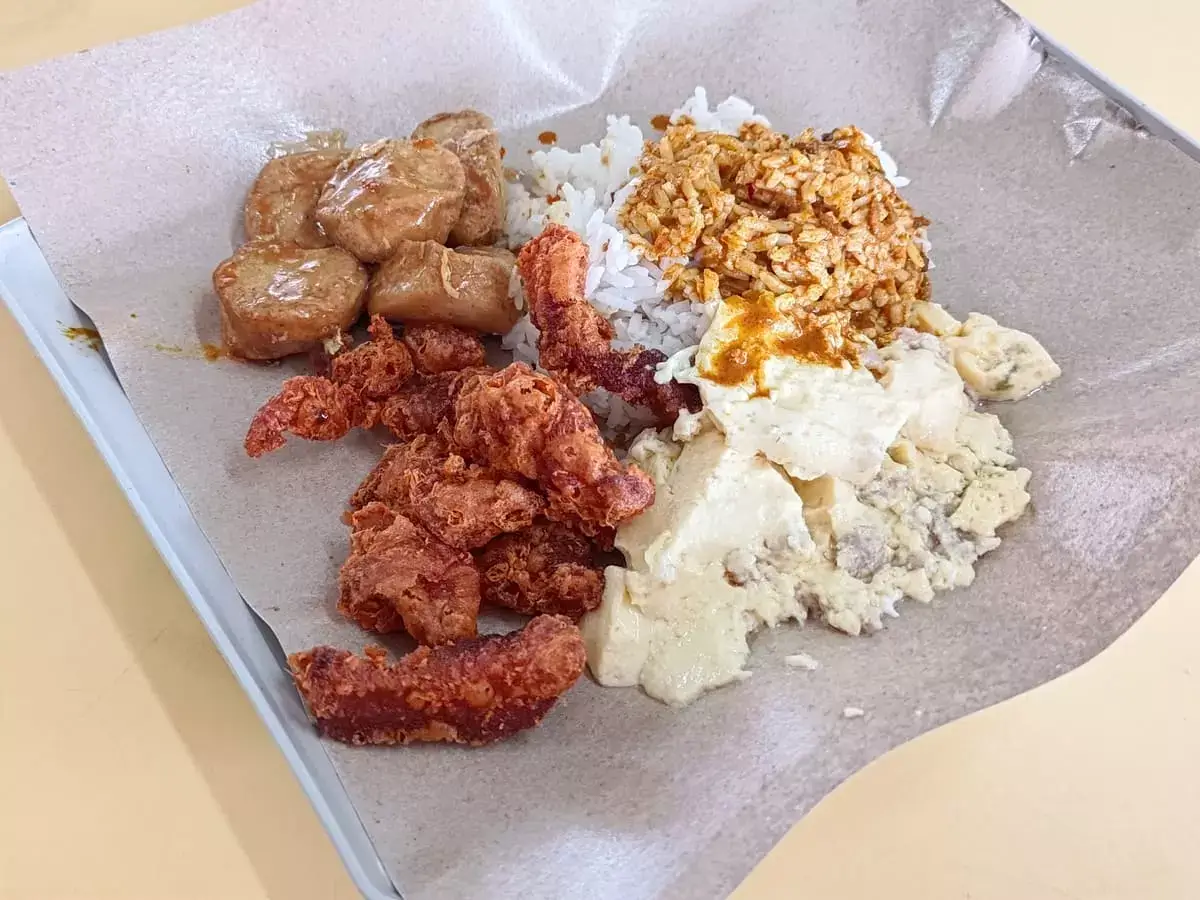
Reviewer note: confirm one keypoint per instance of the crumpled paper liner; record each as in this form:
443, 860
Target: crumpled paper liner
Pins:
1051, 211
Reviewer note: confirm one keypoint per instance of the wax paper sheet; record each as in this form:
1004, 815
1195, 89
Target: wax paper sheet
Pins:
1051, 211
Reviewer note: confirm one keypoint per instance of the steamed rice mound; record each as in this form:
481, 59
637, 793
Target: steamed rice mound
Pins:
825, 228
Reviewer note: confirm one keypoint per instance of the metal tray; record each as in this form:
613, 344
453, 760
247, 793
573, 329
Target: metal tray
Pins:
39, 304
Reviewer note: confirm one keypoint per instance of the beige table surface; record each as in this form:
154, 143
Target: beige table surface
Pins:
131, 765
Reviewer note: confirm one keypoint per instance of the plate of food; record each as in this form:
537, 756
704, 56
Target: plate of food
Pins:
620, 463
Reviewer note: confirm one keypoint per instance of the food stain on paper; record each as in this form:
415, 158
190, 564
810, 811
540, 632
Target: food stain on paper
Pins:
206, 351
89, 337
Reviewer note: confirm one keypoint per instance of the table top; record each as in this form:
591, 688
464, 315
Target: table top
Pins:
132, 766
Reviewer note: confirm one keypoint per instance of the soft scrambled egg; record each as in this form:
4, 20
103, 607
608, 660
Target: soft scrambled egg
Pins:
807, 488
679, 532
920, 381
676, 621
810, 419
997, 362
811, 414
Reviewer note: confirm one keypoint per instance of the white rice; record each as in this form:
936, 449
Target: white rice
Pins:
584, 191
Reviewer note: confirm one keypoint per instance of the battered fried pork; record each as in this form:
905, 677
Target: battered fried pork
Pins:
471, 692
463, 505
547, 568
525, 424
443, 348
426, 403
399, 576
575, 342
325, 409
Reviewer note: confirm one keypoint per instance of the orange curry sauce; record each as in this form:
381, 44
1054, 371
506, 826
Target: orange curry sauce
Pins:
758, 330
